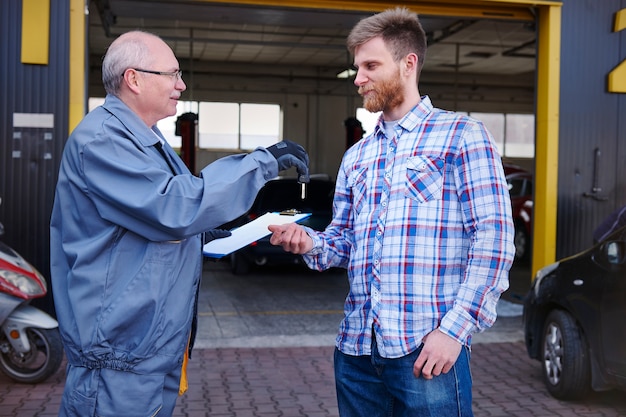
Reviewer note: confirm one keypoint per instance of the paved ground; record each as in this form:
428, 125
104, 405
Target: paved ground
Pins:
265, 349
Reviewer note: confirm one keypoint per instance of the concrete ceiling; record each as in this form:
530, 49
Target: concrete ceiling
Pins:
261, 35
241, 47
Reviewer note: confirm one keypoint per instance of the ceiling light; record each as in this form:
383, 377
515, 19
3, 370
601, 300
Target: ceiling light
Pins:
347, 73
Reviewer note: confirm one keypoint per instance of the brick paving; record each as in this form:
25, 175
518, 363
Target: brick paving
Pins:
295, 382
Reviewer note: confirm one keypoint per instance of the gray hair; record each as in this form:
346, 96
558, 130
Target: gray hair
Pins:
399, 28
127, 51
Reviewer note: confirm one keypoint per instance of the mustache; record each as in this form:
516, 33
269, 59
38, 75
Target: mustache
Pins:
363, 90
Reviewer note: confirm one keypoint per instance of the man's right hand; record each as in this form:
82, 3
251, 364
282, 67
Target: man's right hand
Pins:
438, 355
289, 154
292, 237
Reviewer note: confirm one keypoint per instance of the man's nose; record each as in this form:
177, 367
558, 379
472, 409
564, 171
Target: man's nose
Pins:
359, 78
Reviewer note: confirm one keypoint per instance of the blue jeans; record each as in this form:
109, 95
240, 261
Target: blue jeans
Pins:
374, 386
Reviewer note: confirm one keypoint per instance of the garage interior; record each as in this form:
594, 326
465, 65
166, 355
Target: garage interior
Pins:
292, 53
478, 60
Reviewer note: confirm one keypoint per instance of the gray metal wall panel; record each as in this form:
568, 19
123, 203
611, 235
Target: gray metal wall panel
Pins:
27, 182
590, 120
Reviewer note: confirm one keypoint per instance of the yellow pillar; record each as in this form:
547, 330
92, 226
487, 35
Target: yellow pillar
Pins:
547, 137
77, 67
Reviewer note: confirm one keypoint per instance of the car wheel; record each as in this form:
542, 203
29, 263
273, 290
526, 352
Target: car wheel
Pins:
566, 367
239, 265
522, 243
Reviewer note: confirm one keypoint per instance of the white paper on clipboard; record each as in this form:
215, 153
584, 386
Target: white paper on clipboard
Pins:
248, 233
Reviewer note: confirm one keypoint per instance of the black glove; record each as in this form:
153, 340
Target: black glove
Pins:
214, 234
289, 154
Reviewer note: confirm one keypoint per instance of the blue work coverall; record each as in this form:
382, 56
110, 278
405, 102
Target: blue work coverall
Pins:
126, 257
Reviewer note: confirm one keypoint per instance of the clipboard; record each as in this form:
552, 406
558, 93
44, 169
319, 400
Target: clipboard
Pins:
249, 232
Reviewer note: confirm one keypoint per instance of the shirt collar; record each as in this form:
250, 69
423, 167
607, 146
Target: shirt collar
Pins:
410, 120
143, 134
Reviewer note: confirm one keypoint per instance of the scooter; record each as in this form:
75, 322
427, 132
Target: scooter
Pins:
30, 344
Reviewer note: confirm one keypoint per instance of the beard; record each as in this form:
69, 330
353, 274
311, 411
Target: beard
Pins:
387, 95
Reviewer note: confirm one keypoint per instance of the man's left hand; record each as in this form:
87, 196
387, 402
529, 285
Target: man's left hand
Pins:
438, 355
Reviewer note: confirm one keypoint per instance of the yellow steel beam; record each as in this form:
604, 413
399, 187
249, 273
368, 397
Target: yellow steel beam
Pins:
77, 63
547, 137
499, 9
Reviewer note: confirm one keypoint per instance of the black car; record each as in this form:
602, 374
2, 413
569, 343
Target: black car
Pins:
575, 320
278, 195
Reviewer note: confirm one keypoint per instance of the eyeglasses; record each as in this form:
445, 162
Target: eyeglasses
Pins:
178, 73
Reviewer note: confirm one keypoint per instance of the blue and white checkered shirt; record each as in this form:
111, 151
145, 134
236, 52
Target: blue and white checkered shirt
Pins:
422, 222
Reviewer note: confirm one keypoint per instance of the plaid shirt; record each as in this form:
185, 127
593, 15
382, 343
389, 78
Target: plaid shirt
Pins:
422, 222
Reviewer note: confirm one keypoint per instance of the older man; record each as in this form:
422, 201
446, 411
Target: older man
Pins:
127, 229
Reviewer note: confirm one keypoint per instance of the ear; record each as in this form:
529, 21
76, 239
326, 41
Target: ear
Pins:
410, 64
132, 81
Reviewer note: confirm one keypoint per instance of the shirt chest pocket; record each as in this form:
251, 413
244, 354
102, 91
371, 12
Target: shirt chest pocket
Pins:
424, 178
357, 185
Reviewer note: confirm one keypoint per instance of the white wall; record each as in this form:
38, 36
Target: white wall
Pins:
312, 121
314, 108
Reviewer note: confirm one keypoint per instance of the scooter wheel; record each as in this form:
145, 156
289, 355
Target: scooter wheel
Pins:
39, 363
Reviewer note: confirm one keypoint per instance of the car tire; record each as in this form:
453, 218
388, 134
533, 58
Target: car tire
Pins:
239, 265
564, 357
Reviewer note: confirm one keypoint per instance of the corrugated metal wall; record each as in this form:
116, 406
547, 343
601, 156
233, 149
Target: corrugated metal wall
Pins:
592, 163
29, 157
